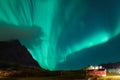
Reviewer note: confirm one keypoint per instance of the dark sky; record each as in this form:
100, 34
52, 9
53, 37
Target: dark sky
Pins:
64, 34
104, 53
93, 38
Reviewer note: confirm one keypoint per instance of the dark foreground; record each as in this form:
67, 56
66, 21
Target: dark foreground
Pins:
34, 73
59, 78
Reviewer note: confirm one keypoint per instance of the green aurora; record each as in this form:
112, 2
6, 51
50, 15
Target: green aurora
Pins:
51, 30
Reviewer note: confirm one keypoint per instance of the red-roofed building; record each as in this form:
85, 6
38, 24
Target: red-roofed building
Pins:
95, 71
99, 72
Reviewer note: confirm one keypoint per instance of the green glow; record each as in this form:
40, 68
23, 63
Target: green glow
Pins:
29, 13
95, 39
58, 20
117, 30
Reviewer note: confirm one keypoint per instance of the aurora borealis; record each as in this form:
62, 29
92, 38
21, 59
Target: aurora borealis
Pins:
54, 30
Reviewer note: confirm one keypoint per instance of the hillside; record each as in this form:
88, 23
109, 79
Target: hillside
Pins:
13, 53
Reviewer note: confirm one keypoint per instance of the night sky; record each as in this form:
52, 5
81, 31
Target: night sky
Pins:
64, 34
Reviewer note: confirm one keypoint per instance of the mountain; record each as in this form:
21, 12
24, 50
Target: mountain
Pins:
12, 53
111, 65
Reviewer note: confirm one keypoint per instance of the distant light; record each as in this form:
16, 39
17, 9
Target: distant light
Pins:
104, 75
100, 67
96, 67
91, 67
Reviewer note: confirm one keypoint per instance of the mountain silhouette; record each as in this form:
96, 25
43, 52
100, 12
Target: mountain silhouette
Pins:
12, 53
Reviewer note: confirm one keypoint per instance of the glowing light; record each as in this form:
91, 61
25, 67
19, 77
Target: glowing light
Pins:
67, 26
95, 39
104, 75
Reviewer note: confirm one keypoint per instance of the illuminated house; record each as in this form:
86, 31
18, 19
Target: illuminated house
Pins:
95, 71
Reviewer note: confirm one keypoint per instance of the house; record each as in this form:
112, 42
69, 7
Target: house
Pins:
95, 71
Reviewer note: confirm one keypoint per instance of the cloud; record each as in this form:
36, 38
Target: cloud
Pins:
12, 32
